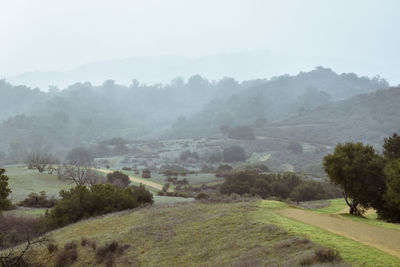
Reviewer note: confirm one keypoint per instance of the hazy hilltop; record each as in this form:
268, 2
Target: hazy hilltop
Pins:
84, 114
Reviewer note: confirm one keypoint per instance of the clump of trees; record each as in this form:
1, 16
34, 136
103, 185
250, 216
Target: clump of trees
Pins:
187, 154
368, 179
281, 185
83, 202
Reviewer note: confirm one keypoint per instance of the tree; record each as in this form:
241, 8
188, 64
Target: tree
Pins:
119, 179
39, 161
79, 174
391, 209
80, 155
391, 147
5, 203
358, 170
234, 154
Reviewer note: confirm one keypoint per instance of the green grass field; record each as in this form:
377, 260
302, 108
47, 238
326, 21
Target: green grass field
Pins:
24, 181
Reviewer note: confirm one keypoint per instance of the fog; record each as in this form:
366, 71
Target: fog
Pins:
56, 40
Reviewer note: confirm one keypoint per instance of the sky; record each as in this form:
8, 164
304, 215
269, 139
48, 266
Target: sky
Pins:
346, 35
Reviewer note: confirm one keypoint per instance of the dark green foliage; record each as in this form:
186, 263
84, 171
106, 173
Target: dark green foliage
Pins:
391, 209
273, 185
308, 190
118, 179
234, 154
359, 171
5, 203
82, 202
391, 147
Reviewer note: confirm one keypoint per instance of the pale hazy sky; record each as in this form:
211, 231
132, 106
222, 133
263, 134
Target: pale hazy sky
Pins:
58, 35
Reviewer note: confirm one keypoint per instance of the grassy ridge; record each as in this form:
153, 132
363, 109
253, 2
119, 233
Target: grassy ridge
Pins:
188, 234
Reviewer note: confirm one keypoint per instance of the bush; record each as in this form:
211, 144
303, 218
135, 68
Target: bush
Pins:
38, 201
52, 247
67, 256
109, 252
82, 202
118, 179
146, 173
295, 147
201, 196
327, 255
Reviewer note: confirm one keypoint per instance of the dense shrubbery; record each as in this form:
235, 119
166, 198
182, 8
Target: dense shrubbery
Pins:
146, 173
286, 185
82, 202
241, 132
36, 200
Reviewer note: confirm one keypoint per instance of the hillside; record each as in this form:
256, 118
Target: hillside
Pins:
212, 234
363, 118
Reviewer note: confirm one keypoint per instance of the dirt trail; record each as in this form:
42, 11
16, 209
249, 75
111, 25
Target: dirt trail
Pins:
138, 180
384, 239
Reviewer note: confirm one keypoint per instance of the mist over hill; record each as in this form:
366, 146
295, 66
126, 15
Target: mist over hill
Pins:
84, 114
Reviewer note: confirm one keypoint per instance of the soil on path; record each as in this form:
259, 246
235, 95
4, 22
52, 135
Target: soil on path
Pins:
384, 239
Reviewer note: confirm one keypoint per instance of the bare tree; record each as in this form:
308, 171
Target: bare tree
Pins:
79, 174
39, 161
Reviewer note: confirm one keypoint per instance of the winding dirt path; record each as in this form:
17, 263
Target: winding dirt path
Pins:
384, 239
137, 180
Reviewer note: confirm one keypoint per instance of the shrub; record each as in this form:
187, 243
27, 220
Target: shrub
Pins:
118, 179
109, 252
38, 201
146, 173
66, 257
201, 196
52, 247
327, 255
82, 202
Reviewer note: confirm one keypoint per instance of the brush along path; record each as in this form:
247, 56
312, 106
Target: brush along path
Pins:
138, 180
384, 239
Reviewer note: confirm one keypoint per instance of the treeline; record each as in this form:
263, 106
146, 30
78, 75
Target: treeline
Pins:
85, 114
279, 185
